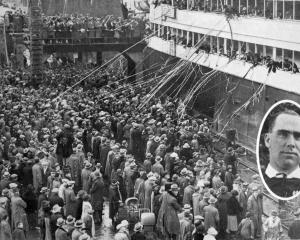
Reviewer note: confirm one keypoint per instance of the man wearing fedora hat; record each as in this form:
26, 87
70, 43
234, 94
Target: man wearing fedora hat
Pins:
85, 175
157, 167
148, 188
18, 211
56, 214
294, 229
61, 233
148, 163
229, 178
255, 207
43, 196
186, 226
246, 228
69, 227
97, 191
77, 232
203, 203
199, 231
70, 199
189, 191
243, 198
211, 214
168, 221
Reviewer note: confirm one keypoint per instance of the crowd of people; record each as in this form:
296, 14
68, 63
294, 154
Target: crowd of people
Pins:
236, 8
63, 156
78, 27
70, 28
247, 56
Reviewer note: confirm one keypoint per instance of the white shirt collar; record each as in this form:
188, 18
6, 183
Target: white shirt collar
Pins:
271, 172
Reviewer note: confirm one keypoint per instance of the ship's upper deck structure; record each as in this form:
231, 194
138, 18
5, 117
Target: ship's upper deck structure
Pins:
244, 38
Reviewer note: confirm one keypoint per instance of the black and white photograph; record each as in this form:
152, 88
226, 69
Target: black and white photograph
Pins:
149, 120
279, 149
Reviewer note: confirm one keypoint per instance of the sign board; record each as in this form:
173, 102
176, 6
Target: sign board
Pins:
168, 11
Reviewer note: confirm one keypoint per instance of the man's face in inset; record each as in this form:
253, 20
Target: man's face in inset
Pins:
283, 142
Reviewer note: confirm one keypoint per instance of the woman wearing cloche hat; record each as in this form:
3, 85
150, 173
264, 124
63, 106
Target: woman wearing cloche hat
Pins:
123, 232
272, 227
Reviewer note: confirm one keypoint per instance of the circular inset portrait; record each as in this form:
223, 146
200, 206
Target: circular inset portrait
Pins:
278, 150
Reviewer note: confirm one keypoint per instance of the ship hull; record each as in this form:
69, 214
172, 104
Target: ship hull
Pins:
231, 102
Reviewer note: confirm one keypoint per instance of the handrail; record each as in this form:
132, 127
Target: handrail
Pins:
88, 41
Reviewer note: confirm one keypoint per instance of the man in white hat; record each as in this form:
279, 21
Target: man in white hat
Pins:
211, 214
186, 226
56, 214
157, 167
148, 188
62, 188
70, 199
37, 174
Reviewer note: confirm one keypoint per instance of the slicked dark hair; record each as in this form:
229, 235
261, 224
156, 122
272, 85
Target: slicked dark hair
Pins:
273, 118
284, 108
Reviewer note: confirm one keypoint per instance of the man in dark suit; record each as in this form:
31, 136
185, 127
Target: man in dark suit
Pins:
282, 174
97, 191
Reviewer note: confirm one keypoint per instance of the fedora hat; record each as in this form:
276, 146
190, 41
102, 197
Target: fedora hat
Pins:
60, 222
157, 139
78, 224
212, 200
187, 207
70, 220
174, 187
206, 195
